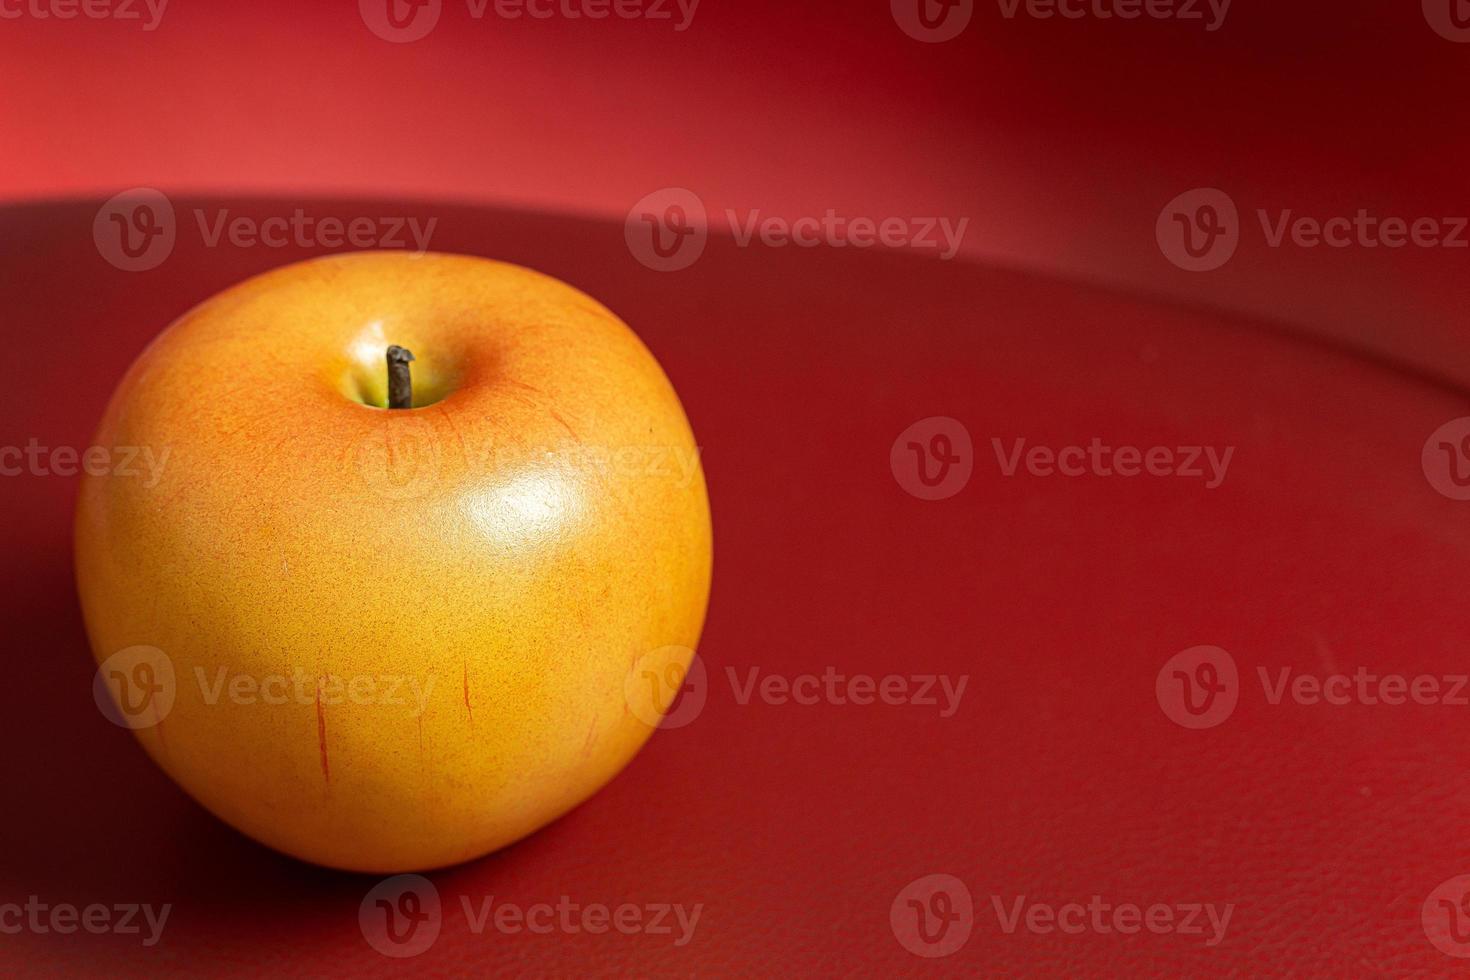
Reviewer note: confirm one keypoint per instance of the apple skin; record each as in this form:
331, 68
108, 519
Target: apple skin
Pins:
529, 550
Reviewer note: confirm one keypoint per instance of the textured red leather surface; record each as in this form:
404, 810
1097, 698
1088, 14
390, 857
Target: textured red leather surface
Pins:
1059, 773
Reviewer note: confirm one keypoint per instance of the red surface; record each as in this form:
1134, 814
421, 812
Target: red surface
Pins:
1059, 777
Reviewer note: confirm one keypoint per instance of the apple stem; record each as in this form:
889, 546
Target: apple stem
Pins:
400, 384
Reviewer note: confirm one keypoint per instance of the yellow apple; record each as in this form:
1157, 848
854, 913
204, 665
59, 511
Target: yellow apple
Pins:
385, 639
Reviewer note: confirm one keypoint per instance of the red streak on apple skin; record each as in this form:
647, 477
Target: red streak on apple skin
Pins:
554, 413
321, 730
587, 745
467, 707
564, 424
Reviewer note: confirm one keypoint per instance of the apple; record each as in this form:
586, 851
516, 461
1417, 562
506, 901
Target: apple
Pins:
395, 638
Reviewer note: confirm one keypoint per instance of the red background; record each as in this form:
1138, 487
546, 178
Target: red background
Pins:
1059, 139
1059, 777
